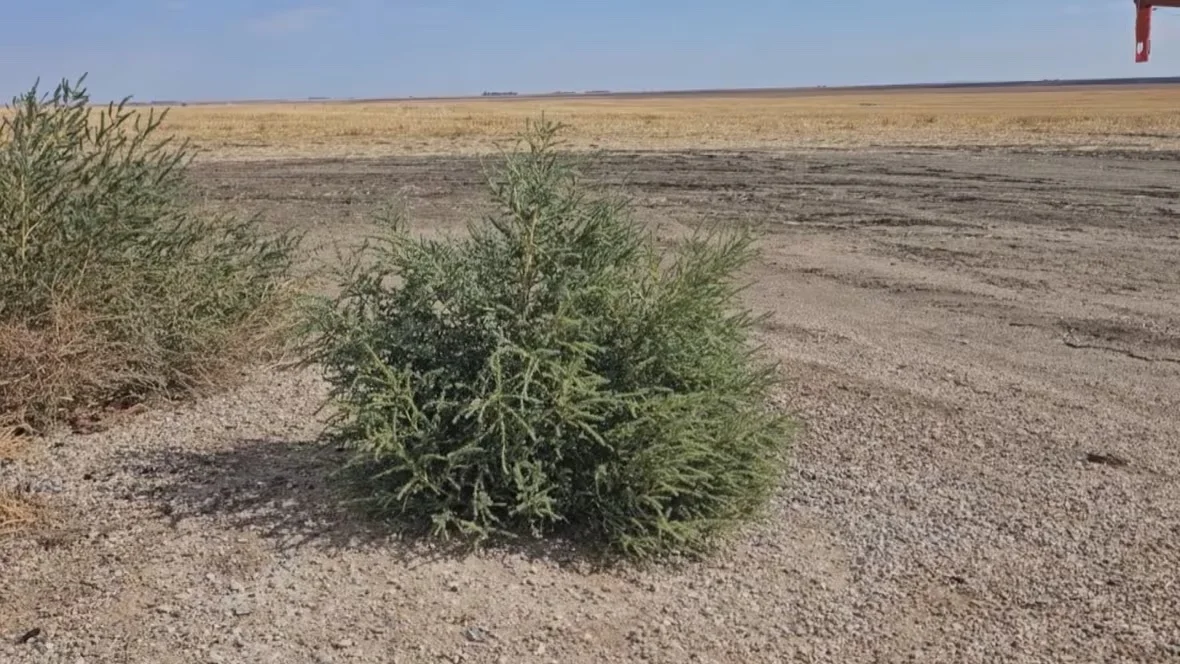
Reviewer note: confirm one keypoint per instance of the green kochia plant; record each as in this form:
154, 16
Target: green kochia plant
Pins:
112, 288
553, 370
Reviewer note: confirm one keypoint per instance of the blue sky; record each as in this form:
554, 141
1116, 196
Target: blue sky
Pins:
222, 49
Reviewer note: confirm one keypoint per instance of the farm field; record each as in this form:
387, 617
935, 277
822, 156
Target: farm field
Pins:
1078, 117
978, 322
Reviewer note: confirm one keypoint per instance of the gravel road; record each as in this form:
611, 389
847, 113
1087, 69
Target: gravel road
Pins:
982, 346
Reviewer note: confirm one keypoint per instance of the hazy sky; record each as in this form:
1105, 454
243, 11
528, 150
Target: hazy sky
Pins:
203, 49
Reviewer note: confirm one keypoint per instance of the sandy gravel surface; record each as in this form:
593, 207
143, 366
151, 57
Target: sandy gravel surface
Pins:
983, 348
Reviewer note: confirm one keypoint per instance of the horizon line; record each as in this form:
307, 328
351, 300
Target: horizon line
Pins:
509, 94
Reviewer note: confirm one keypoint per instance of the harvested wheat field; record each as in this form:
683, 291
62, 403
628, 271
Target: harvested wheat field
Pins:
979, 325
1081, 117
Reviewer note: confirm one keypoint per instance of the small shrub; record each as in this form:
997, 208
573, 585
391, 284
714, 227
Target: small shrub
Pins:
111, 288
552, 371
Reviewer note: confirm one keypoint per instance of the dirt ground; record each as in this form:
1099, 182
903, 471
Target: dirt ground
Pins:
982, 346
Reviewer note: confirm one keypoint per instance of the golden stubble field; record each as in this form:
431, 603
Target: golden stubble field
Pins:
1075, 117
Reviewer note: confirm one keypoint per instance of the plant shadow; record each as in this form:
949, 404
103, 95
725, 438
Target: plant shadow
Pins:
292, 493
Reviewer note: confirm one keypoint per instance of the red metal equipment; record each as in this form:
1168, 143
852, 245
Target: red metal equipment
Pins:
1143, 10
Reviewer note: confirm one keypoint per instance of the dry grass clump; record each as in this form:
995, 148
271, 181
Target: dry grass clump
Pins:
1083, 116
51, 365
11, 445
16, 512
